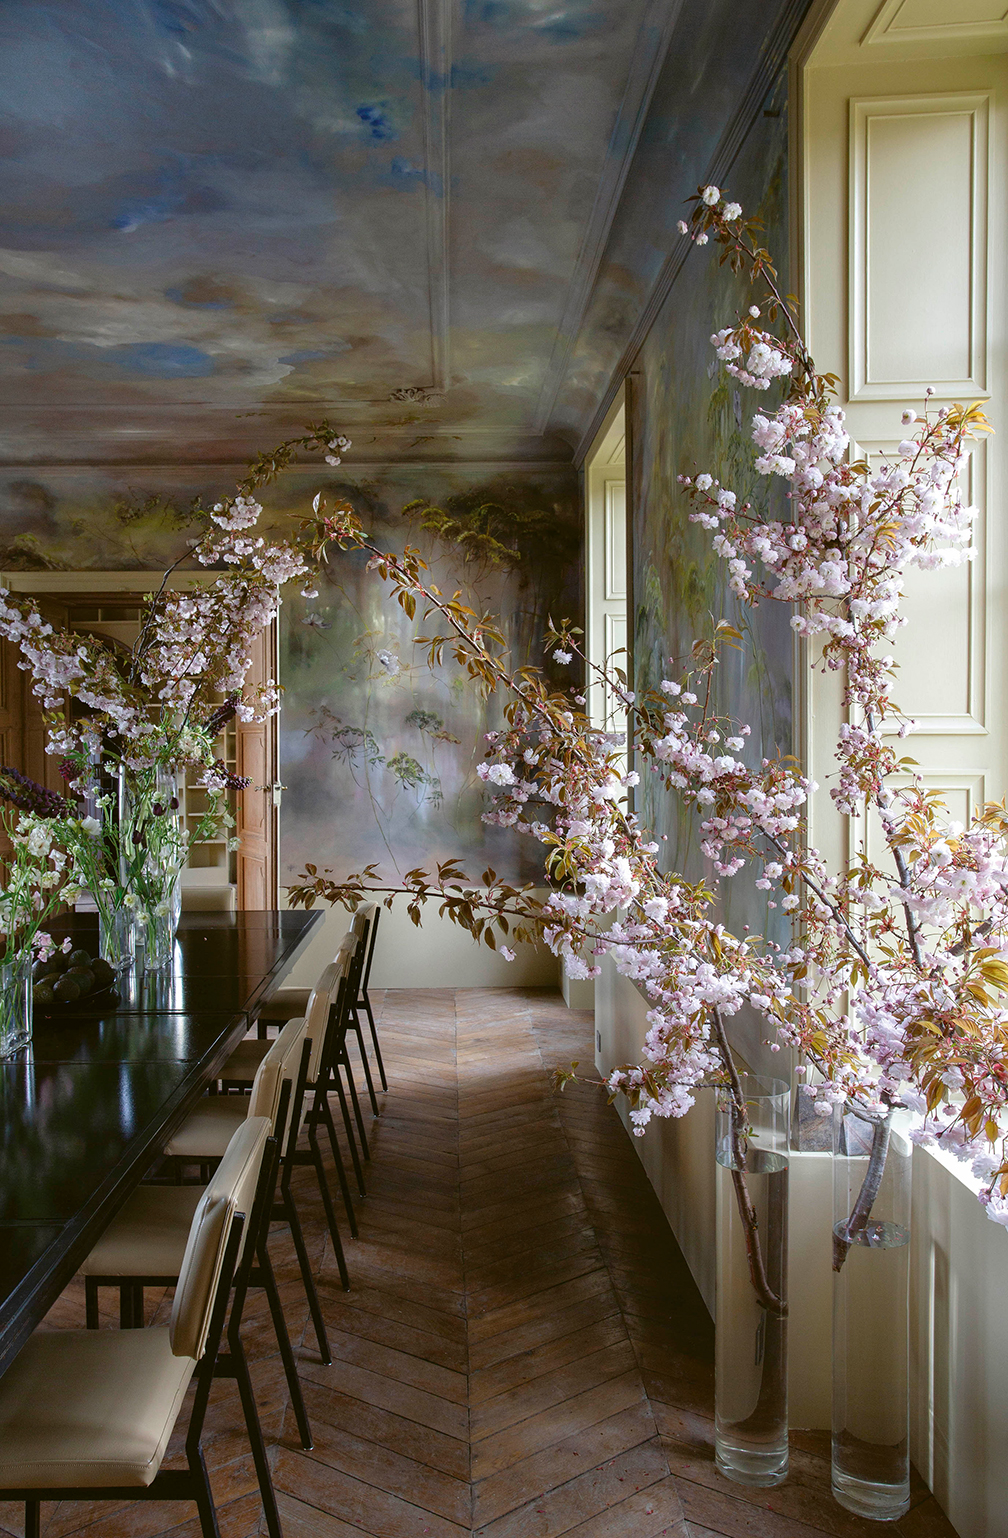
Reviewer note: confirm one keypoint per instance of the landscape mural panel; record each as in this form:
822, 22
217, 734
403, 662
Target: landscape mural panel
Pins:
378, 751
689, 416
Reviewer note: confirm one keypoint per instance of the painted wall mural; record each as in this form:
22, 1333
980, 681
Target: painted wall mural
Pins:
688, 417
378, 752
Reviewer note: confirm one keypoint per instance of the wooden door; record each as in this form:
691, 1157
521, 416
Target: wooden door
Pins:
256, 814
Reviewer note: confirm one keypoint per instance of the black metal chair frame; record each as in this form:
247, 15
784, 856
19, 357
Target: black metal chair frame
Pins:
328, 1078
335, 1058
192, 1483
364, 998
354, 1021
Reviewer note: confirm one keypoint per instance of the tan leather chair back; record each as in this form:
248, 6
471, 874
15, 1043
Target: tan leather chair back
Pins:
280, 1062
344, 966
317, 1014
288, 1047
231, 1190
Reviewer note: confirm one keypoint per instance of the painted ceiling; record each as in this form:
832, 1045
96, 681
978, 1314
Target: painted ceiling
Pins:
223, 217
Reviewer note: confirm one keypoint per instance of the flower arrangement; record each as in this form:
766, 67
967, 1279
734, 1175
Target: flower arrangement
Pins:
141, 720
894, 985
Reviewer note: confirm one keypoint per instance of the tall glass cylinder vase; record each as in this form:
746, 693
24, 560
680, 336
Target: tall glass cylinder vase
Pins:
750, 1385
871, 1354
152, 841
15, 1005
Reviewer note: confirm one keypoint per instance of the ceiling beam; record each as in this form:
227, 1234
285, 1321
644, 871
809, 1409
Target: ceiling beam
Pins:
434, 25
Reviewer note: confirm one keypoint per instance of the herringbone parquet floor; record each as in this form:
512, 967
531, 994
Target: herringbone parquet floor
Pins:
523, 1353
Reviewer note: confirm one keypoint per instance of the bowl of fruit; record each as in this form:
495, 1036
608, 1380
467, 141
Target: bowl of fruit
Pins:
73, 982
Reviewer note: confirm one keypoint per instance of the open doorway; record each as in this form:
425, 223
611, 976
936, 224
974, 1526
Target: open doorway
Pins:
606, 563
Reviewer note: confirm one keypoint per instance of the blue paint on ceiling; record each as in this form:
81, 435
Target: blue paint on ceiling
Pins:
231, 203
163, 360
377, 121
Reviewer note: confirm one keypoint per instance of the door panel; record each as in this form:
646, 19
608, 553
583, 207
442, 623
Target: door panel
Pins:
256, 815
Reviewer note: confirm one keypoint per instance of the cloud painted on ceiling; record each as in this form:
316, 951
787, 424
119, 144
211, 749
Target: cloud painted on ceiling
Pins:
228, 201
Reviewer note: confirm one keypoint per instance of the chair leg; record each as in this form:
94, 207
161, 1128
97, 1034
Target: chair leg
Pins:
336, 1082
33, 1519
326, 1195
240, 1367
356, 1027
374, 1037
344, 1061
203, 1495
340, 1168
314, 1306
131, 1306
269, 1286
90, 1303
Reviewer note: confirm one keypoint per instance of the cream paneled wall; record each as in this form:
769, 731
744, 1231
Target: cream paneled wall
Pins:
904, 231
901, 139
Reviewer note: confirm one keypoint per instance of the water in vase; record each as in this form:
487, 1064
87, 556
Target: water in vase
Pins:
750, 1413
871, 1464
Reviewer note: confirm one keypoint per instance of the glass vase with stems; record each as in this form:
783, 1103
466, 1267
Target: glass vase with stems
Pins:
153, 847
750, 1342
35, 882
871, 1271
15, 1003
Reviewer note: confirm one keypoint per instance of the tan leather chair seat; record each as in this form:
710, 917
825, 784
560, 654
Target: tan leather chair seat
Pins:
285, 1004
89, 1408
245, 1059
147, 1237
209, 1128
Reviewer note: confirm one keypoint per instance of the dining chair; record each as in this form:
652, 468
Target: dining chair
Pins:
204, 1136
323, 1011
370, 913
287, 1002
359, 928
89, 1413
144, 1244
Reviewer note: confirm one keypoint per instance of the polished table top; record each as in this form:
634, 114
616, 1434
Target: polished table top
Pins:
86, 1109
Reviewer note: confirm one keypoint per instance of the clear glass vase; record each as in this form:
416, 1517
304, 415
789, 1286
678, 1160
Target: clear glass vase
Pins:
750, 1384
116, 941
871, 1340
15, 1005
153, 848
155, 926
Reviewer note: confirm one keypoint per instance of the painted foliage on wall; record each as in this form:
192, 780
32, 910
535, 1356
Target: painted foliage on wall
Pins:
378, 752
689, 417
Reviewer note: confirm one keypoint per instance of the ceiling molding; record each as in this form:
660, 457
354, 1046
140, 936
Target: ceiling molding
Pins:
772, 59
434, 25
650, 47
34, 421
347, 471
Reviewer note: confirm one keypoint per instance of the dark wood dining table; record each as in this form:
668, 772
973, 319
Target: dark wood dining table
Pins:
87, 1108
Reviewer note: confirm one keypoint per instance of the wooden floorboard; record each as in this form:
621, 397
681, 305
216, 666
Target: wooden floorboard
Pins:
523, 1352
